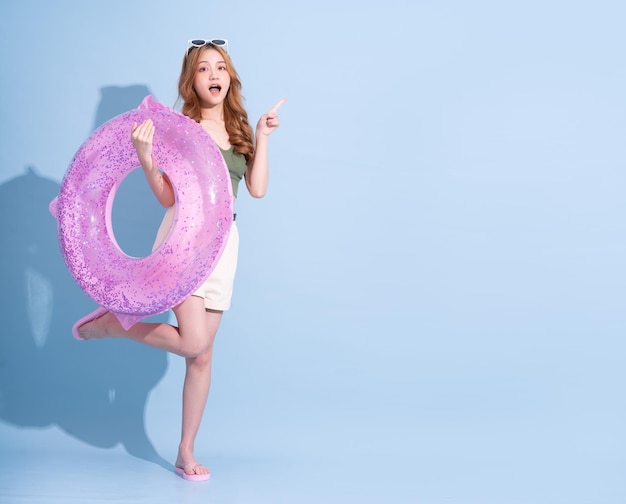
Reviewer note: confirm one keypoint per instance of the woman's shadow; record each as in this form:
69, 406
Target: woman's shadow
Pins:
94, 391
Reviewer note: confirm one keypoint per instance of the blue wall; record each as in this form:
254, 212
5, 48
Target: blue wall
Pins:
436, 275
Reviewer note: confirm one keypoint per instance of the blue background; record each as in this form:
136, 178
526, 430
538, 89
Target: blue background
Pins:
429, 301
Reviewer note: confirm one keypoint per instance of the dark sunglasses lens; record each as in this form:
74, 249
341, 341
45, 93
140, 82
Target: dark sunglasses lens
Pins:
218, 42
198, 42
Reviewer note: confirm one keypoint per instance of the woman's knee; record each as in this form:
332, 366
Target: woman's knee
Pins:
197, 343
197, 327
195, 347
202, 360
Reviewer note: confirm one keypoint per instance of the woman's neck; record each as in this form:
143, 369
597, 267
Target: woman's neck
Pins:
215, 113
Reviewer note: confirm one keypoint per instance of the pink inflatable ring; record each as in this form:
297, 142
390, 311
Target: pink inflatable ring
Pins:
134, 288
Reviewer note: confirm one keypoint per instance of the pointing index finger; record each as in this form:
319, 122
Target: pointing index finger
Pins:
275, 107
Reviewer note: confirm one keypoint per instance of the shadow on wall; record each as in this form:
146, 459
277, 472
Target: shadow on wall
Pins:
94, 391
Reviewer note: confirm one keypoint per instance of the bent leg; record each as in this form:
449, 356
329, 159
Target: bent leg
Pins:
189, 339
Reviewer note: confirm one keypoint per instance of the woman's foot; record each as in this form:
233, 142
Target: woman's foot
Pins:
191, 470
99, 324
81, 330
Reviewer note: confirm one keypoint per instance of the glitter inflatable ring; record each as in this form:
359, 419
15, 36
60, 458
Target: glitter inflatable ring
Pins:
130, 287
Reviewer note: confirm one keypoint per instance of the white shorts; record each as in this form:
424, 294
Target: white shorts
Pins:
217, 289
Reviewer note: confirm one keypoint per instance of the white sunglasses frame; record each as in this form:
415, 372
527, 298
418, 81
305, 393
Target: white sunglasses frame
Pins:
198, 42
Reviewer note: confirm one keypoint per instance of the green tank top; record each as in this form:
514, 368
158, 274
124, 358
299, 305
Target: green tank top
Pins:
236, 164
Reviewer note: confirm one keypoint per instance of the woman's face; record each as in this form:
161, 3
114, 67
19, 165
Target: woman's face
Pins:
211, 80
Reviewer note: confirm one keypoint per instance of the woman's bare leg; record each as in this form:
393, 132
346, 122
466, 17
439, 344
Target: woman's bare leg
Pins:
189, 339
193, 339
195, 393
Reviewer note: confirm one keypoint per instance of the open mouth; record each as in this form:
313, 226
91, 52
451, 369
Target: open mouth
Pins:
215, 88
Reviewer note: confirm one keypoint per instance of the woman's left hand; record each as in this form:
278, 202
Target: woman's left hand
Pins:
269, 121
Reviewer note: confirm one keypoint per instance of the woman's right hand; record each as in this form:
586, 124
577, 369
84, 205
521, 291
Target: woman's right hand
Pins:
141, 137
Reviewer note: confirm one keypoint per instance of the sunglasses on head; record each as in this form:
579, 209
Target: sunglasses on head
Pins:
202, 42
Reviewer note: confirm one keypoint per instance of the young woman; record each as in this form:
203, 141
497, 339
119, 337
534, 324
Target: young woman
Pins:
210, 90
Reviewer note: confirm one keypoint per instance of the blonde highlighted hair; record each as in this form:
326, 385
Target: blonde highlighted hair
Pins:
235, 115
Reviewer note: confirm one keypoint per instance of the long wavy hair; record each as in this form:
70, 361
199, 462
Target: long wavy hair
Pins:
235, 115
